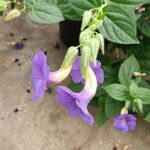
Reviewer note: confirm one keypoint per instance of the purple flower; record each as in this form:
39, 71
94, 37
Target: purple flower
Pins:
76, 71
125, 122
41, 75
76, 103
19, 45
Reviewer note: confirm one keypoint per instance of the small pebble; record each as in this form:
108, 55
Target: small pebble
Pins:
16, 60
119, 141
45, 52
10, 44
125, 147
11, 34
28, 90
16, 110
19, 64
57, 46
24, 39
115, 148
49, 90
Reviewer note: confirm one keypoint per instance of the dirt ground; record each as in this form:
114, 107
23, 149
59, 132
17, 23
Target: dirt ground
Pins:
26, 125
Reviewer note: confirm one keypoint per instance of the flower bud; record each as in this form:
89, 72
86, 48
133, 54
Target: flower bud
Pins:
138, 74
102, 42
14, 13
86, 19
94, 45
70, 56
85, 36
124, 110
85, 59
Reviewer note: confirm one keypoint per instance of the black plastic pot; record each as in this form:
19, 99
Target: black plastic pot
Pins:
69, 32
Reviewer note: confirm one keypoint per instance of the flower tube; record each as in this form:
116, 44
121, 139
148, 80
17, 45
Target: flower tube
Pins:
76, 103
41, 75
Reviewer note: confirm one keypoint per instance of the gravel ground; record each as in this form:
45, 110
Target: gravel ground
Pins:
26, 125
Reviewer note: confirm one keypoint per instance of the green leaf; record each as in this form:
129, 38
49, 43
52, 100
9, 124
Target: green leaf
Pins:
130, 9
144, 22
142, 54
43, 12
100, 91
118, 26
105, 60
128, 2
139, 104
94, 103
145, 2
144, 94
112, 107
146, 110
75, 87
101, 118
29, 4
139, 92
144, 84
126, 70
133, 89
101, 102
147, 118
80, 6
118, 92
67, 10
109, 72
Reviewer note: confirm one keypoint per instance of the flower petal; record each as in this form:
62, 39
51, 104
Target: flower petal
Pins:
123, 127
76, 71
40, 72
125, 122
66, 98
99, 75
39, 90
131, 125
76, 64
40, 68
87, 117
76, 76
95, 66
131, 118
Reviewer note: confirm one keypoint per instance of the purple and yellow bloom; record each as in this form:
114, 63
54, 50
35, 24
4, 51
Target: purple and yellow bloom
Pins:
125, 122
76, 103
41, 75
76, 71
